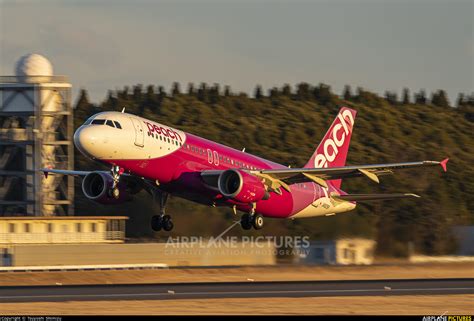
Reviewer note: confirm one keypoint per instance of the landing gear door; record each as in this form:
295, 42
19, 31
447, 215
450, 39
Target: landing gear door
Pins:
139, 133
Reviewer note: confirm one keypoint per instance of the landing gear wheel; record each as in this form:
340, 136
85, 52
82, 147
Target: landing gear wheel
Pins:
167, 223
156, 223
245, 222
115, 193
257, 221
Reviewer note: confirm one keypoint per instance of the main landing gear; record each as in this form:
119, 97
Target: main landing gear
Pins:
249, 220
162, 221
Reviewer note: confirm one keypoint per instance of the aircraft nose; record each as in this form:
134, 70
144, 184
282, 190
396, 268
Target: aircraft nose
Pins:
86, 140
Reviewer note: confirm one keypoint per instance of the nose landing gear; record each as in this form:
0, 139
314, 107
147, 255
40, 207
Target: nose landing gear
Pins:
115, 171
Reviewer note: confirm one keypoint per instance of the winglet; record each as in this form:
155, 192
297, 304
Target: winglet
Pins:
443, 164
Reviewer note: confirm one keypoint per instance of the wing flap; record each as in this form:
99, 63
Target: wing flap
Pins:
373, 197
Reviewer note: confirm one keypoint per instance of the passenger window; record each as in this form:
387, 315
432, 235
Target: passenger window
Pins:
98, 122
110, 123
117, 124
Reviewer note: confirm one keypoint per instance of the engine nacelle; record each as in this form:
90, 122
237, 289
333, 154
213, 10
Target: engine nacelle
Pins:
241, 186
97, 187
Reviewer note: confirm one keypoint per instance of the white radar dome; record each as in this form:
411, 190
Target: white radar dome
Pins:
33, 65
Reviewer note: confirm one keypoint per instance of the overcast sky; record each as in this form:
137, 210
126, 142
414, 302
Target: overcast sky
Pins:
378, 45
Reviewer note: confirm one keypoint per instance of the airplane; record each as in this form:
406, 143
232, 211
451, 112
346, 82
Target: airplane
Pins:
164, 161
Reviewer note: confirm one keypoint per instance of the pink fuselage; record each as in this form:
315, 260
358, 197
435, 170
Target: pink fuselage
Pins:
179, 174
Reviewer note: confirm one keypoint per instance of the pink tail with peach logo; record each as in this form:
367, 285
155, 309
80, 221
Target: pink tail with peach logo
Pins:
332, 151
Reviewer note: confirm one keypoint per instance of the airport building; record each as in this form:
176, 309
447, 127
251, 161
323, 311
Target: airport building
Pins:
62, 229
465, 239
341, 252
36, 130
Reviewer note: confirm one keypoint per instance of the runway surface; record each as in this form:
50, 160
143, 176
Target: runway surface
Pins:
236, 290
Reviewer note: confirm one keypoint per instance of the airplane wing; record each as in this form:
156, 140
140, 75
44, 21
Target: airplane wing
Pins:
284, 177
130, 180
46, 171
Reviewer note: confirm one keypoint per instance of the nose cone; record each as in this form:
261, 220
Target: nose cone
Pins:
86, 139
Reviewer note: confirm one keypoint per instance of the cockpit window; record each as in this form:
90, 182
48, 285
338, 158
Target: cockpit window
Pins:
108, 122
98, 122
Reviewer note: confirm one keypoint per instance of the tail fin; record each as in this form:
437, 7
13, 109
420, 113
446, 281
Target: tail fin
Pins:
332, 151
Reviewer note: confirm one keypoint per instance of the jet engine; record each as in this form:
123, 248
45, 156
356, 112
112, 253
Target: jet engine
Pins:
241, 186
97, 186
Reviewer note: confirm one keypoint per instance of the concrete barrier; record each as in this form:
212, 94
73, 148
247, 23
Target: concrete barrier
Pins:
83, 267
182, 254
440, 259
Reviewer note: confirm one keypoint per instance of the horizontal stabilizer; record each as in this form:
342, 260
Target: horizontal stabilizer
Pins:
373, 197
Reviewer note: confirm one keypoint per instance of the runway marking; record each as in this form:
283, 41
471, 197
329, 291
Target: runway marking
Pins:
228, 292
